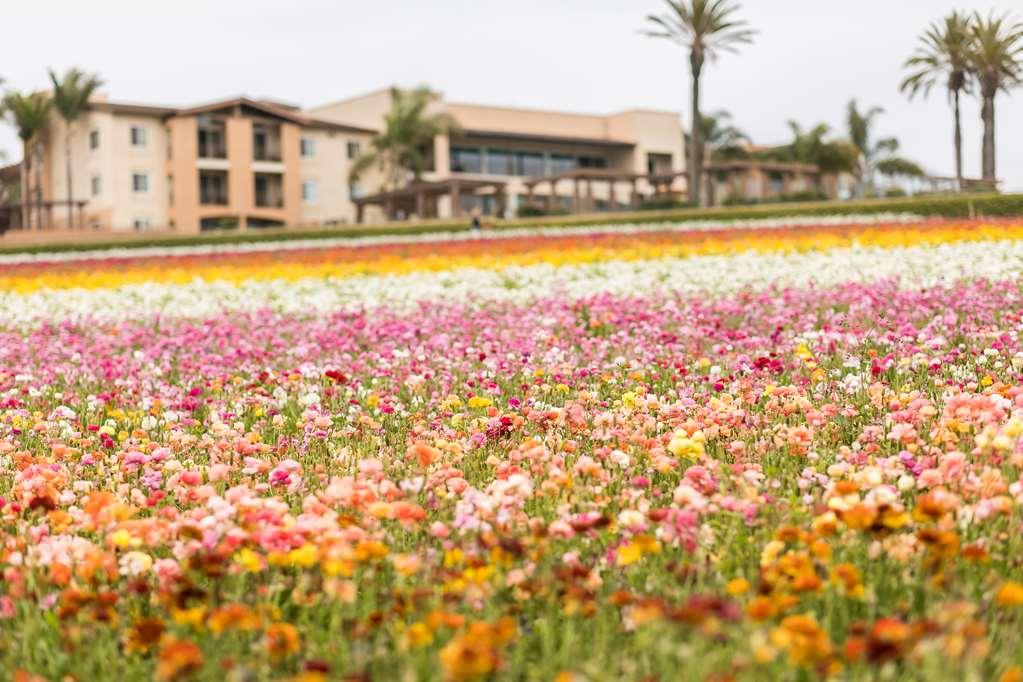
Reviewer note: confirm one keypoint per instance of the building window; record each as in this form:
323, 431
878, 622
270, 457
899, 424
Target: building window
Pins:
354, 190
310, 192
308, 148
97, 185
466, 160
142, 224
658, 163
529, 164
354, 149
93, 139
561, 163
139, 136
499, 162
212, 137
592, 162
213, 187
140, 183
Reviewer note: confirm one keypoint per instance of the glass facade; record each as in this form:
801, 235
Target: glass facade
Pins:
466, 160
529, 164
499, 162
560, 163
496, 161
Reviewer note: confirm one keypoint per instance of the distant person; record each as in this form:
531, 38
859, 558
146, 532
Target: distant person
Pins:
477, 222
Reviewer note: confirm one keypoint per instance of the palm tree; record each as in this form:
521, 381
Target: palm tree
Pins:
71, 94
720, 138
705, 28
401, 147
996, 59
943, 58
721, 141
28, 113
871, 153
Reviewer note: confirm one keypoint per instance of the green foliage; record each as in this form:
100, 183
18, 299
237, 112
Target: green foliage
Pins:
899, 167
665, 203
995, 54
942, 58
401, 148
27, 113
705, 27
72, 91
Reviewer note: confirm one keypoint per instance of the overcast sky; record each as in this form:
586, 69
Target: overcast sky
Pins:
810, 57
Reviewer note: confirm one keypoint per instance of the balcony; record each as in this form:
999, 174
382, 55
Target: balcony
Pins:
213, 188
269, 190
212, 138
266, 142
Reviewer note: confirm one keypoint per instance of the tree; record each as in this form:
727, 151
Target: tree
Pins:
71, 94
721, 139
942, 57
705, 28
28, 113
870, 152
995, 57
401, 147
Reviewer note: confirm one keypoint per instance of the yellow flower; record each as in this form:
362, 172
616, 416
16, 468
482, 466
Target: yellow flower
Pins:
249, 560
122, 538
478, 401
737, 586
304, 556
418, 635
685, 446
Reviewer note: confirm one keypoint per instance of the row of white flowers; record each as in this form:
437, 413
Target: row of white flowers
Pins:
710, 275
435, 237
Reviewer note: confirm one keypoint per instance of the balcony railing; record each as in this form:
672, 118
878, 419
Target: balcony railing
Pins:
213, 197
212, 150
264, 201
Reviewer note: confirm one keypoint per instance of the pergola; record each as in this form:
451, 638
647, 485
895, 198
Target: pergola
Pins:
421, 197
585, 177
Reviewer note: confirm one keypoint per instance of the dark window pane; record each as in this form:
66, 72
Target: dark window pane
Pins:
466, 160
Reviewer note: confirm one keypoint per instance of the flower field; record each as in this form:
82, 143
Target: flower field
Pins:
771, 450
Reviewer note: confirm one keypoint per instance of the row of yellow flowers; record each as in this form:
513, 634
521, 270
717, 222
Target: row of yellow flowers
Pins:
342, 263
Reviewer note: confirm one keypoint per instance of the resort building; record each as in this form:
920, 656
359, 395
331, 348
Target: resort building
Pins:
506, 161
233, 163
253, 163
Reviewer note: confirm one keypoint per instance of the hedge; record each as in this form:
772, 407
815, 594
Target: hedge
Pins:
954, 206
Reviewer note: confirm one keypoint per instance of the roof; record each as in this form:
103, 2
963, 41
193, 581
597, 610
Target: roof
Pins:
243, 101
279, 110
10, 172
132, 108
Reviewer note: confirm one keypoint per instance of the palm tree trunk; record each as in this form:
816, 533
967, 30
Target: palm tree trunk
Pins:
695, 137
37, 166
70, 193
987, 114
25, 168
958, 141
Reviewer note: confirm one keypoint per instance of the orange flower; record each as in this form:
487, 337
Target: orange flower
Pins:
233, 617
468, 658
144, 634
282, 640
423, 453
1009, 595
178, 658
806, 643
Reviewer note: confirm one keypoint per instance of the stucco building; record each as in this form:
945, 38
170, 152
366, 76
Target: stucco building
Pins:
503, 159
252, 163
